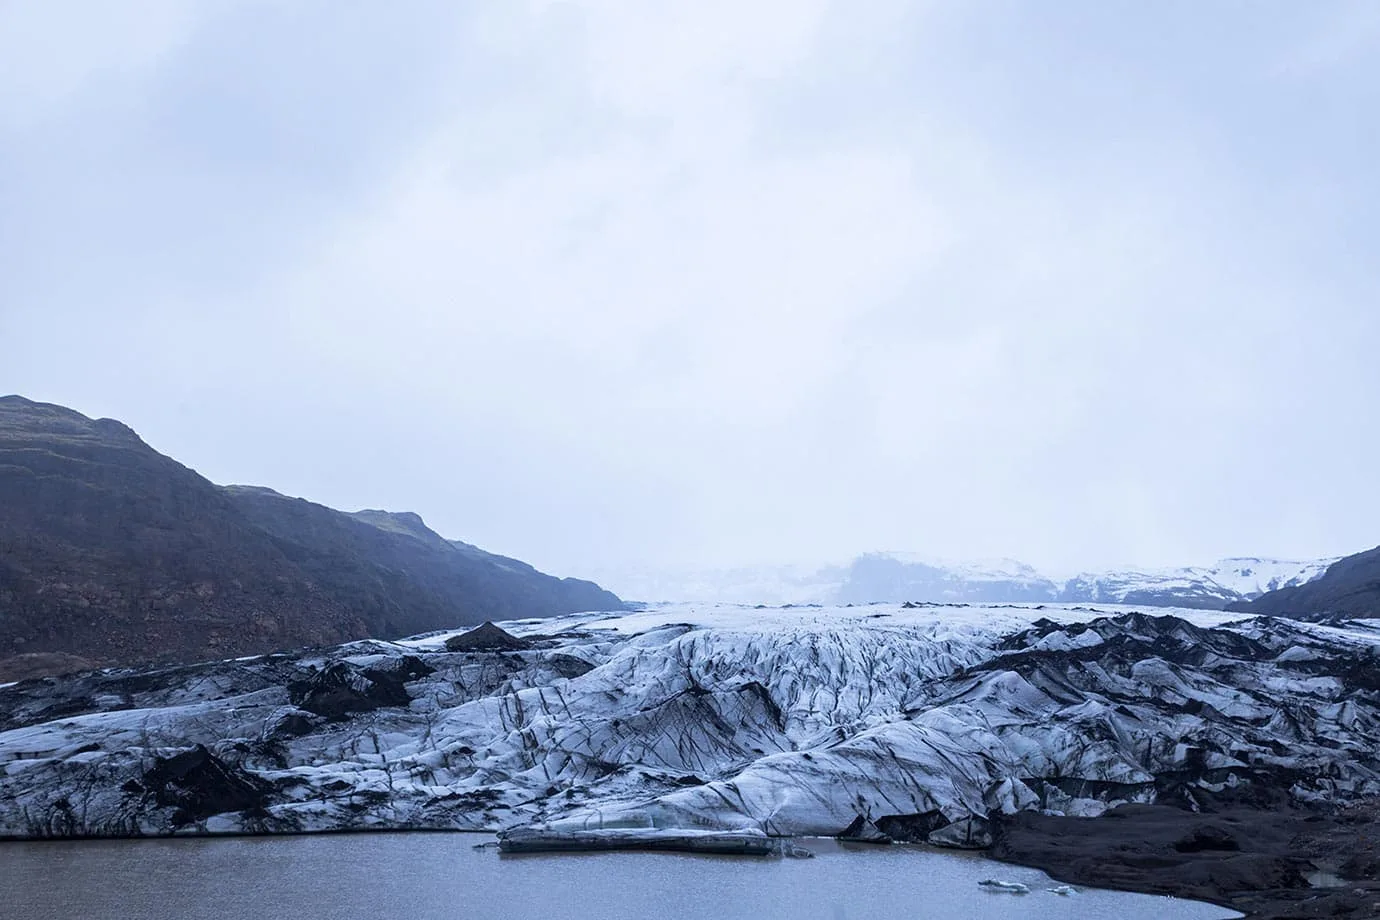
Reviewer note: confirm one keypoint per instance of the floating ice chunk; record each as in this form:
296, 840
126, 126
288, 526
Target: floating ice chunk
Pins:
992, 884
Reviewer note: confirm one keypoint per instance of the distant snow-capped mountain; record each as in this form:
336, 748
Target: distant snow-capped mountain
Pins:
1225, 582
897, 577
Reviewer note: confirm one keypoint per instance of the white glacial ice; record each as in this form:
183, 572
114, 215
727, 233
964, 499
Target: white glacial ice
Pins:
869, 720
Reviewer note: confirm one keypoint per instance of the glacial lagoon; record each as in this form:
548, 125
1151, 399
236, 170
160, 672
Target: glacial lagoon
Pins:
443, 876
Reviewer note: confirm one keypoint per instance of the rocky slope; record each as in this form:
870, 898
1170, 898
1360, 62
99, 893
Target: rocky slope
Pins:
1267, 858
879, 721
113, 553
899, 577
1349, 588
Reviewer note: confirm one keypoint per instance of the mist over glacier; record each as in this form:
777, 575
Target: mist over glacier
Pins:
900, 576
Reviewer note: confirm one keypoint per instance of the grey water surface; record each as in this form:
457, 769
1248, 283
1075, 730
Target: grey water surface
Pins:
435, 876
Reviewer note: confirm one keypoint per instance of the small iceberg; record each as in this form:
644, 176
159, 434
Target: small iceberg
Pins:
1064, 890
681, 840
992, 884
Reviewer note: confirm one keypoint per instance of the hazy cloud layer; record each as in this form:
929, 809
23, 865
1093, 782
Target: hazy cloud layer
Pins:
1081, 283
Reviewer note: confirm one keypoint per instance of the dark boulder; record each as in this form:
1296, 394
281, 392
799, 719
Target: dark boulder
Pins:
197, 784
861, 830
293, 725
342, 689
486, 638
914, 828
568, 666
1207, 837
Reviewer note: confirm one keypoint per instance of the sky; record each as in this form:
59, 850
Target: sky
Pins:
643, 284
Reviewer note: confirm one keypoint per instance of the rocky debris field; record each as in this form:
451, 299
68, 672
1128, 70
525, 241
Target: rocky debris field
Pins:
1266, 857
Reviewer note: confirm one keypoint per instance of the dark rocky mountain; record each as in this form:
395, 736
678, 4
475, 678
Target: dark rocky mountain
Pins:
111, 553
1349, 588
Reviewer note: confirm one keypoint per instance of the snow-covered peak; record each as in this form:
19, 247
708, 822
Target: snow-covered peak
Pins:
1224, 582
894, 576
1252, 577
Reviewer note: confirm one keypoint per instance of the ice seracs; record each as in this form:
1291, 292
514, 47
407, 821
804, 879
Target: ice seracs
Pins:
877, 721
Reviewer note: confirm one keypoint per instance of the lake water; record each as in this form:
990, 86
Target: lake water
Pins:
435, 876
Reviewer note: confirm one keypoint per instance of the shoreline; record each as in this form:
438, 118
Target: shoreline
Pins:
1028, 839
1261, 855
1246, 859
1257, 861
441, 877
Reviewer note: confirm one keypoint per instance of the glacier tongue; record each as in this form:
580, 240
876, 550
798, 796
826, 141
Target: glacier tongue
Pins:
903, 721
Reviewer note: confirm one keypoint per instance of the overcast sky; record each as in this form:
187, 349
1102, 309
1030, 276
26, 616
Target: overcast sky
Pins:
644, 284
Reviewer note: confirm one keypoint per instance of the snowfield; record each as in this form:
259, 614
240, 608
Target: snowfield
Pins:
881, 720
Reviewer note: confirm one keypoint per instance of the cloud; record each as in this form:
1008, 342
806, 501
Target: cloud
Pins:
594, 282
51, 53
1342, 33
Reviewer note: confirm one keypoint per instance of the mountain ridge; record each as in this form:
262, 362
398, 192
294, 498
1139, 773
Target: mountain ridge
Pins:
1349, 588
113, 553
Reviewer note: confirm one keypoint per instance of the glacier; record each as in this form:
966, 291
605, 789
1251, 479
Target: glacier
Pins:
885, 721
